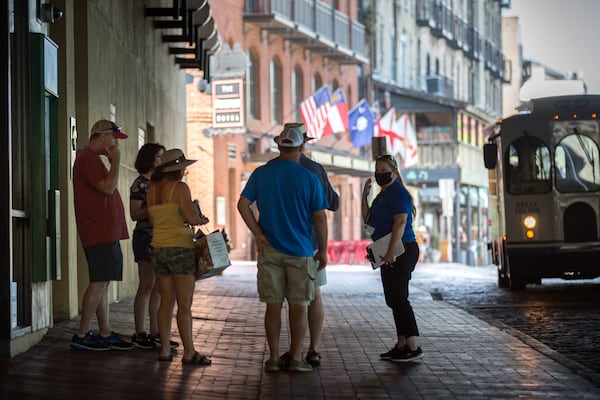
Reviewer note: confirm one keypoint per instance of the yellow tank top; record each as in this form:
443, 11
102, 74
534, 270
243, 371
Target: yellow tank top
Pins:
168, 228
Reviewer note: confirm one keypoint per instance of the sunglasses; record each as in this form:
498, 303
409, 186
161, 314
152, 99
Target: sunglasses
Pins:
113, 128
387, 157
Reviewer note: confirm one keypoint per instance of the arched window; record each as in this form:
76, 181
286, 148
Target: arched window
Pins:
276, 91
361, 82
252, 84
317, 82
297, 95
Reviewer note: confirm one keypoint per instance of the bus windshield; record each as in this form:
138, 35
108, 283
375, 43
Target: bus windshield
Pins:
528, 166
576, 159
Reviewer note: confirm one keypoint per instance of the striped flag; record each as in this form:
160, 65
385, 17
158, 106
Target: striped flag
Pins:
337, 120
315, 112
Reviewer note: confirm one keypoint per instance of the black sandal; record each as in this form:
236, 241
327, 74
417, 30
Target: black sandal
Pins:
197, 359
313, 358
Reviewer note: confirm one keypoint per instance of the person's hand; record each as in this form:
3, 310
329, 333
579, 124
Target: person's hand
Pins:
367, 188
261, 243
389, 258
113, 153
321, 257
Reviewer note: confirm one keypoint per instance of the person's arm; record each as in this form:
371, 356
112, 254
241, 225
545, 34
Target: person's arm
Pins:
136, 211
364, 202
245, 210
397, 233
320, 223
108, 185
332, 197
186, 205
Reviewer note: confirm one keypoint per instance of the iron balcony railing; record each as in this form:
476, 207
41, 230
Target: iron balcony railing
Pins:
312, 23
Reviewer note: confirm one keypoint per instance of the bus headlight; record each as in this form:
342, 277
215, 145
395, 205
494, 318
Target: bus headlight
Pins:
529, 222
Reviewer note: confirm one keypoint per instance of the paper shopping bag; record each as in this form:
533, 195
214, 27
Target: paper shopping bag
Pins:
211, 254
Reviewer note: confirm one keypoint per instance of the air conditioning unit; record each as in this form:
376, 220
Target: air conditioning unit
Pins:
434, 84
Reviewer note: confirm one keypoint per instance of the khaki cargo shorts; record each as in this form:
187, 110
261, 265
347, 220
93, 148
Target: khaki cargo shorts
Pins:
282, 277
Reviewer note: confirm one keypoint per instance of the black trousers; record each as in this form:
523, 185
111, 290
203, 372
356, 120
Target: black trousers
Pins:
395, 278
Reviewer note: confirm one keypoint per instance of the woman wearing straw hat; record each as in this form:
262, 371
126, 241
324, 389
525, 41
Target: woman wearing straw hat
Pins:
171, 211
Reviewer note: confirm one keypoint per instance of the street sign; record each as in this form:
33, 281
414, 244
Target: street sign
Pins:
447, 195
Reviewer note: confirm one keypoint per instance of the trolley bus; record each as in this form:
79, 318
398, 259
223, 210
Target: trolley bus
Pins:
544, 175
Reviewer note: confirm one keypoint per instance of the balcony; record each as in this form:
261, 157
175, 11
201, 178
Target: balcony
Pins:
438, 155
425, 13
458, 30
314, 25
473, 44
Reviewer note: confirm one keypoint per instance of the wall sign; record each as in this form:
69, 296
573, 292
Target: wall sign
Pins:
228, 101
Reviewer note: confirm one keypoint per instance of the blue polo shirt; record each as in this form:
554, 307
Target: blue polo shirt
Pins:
394, 200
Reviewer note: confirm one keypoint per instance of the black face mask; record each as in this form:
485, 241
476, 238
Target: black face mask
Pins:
383, 178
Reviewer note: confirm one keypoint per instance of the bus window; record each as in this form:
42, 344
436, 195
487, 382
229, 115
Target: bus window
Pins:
528, 162
577, 164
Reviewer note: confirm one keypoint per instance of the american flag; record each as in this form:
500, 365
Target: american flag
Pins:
314, 112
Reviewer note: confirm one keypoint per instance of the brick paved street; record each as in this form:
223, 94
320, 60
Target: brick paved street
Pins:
465, 358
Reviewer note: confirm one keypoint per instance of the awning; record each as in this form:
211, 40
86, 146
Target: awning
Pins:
342, 164
190, 23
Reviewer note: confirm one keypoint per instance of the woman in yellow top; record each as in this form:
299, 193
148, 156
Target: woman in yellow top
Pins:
171, 212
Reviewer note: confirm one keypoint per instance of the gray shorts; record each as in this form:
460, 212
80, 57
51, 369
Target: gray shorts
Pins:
174, 261
105, 262
321, 277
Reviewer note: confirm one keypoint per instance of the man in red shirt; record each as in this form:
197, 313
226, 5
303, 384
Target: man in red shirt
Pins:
101, 224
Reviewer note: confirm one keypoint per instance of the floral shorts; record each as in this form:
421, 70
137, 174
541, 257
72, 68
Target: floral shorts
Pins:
174, 261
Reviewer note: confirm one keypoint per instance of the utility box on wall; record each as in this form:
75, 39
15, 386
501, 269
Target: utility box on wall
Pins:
45, 207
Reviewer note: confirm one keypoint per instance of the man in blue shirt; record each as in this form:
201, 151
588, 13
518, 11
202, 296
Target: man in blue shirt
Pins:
290, 201
316, 309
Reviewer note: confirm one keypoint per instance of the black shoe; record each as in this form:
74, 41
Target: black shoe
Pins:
407, 355
157, 344
394, 352
142, 340
285, 360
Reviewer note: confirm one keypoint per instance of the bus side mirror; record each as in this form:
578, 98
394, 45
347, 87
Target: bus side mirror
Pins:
490, 155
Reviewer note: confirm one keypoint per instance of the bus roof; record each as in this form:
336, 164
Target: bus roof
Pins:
560, 104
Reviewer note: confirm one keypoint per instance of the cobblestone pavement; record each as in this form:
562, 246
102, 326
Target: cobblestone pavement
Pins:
465, 357
564, 315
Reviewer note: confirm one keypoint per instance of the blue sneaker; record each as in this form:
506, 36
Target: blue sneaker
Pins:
88, 342
115, 342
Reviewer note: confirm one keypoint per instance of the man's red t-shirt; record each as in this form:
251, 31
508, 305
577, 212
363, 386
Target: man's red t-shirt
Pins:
100, 218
